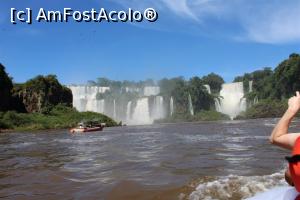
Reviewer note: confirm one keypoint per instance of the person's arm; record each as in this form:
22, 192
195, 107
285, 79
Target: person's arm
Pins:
280, 134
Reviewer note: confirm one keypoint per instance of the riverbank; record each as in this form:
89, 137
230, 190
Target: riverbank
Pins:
59, 117
209, 115
265, 109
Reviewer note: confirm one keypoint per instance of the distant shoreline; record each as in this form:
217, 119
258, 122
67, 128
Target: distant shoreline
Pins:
31, 131
155, 123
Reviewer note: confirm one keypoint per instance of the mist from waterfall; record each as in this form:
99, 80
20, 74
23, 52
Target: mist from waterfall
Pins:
232, 100
151, 90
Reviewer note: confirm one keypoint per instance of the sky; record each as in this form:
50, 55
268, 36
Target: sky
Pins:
190, 38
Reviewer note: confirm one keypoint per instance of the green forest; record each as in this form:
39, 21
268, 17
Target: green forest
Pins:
272, 88
40, 103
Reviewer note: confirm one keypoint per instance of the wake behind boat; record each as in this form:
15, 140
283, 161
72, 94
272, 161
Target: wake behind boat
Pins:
90, 127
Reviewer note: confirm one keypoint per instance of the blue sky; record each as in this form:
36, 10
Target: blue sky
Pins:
190, 38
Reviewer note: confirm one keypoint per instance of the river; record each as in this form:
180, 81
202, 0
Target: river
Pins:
209, 160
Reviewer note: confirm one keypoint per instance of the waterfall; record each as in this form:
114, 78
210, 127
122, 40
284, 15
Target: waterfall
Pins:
128, 111
207, 88
145, 112
233, 101
100, 106
243, 105
132, 89
85, 97
171, 106
79, 98
255, 100
91, 103
250, 86
191, 109
217, 105
141, 114
114, 114
158, 108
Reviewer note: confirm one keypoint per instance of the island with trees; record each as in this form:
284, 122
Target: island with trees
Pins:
40, 103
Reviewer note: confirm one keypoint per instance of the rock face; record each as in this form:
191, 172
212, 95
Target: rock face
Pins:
40, 93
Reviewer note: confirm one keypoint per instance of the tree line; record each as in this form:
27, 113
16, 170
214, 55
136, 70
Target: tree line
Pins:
272, 88
35, 95
277, 84
42, 92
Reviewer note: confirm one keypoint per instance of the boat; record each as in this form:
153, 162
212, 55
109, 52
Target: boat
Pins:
83, 128
278, 193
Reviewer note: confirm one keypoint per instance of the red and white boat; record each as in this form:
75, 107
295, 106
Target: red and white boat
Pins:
83, 129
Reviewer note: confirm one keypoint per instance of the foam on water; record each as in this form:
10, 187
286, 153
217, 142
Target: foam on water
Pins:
270, 124
21, 145
198, 138
234, 187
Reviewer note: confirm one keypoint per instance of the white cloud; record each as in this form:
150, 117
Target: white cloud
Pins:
274, 24
261, 21
180, 7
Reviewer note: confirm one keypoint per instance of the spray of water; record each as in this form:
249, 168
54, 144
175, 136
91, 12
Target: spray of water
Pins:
236, 187
232, 102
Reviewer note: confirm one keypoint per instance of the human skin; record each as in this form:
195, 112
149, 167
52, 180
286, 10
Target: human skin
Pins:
280, 135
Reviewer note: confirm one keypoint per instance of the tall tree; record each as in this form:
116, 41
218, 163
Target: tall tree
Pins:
5, 89
200, 97
214, 81
287, 77
42, 92
262, 81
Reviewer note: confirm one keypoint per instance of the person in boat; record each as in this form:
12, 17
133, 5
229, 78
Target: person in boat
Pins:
81, 125
290, 141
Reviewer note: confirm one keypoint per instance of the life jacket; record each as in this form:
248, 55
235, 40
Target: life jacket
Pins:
294, 164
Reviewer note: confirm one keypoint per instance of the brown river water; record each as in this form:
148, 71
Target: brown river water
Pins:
229, 160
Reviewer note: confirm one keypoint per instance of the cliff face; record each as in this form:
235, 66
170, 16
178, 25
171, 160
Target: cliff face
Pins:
40, 93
